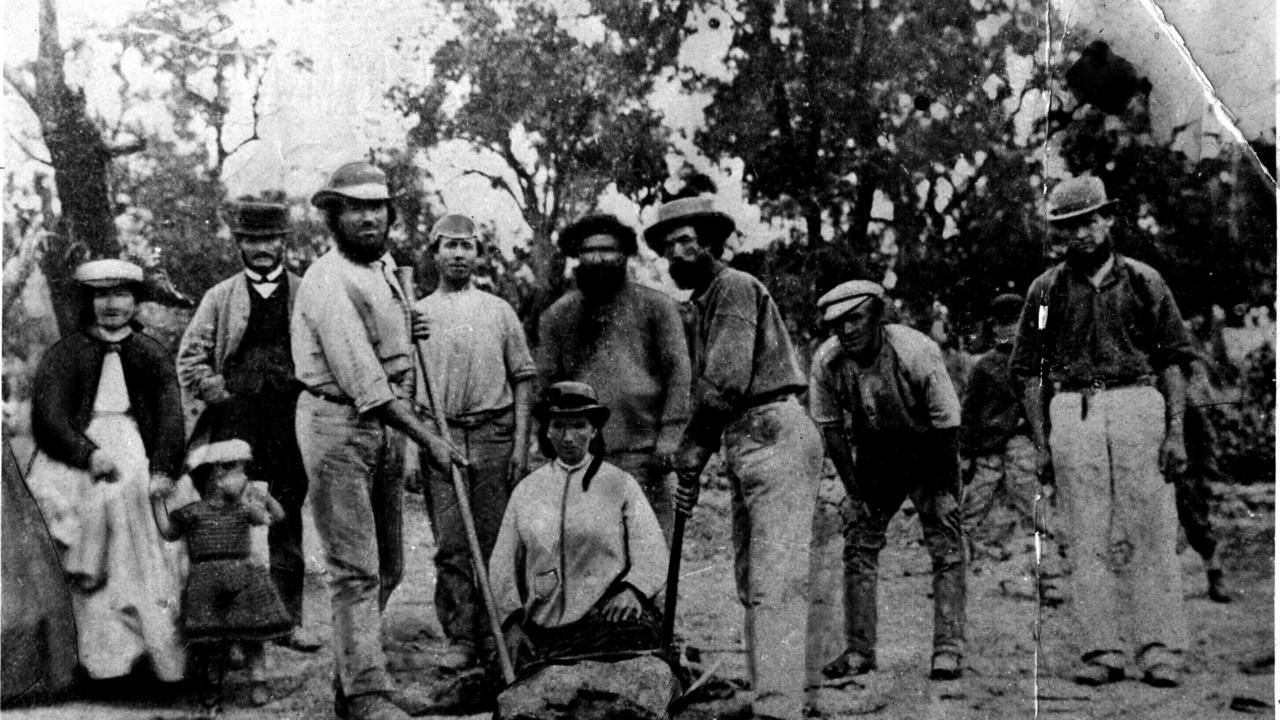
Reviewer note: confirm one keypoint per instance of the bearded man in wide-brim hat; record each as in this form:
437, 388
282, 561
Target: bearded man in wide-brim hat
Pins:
235, 358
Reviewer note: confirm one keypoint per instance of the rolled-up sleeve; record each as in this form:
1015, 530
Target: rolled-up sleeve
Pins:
939, 391
824, 394
515, 348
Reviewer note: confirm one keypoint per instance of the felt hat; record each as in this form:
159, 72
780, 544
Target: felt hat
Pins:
454, 226
713, 225
355, 180
847, 297
219, 452
571, 237
259, 219
1006, 308
568, 398
107, 273
1075, 197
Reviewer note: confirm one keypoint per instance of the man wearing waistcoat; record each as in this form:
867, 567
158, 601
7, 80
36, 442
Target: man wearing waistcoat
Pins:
235, 358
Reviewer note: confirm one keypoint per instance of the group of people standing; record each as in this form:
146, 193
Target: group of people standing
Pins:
326, 385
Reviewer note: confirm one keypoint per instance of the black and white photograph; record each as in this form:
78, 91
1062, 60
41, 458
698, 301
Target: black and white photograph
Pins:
638, 359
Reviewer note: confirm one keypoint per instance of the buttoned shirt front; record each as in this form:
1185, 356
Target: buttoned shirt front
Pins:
350, 331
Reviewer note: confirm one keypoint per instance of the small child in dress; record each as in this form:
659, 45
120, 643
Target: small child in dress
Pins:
229, 598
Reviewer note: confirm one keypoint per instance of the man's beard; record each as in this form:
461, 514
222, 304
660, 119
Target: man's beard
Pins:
689, 274
598, 281
1089, 259
358, 252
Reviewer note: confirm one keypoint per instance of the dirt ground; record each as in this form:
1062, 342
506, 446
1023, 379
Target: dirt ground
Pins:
1230, 662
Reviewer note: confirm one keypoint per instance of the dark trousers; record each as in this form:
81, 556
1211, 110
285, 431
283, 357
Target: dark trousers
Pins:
885, 478
266, 422
488, 444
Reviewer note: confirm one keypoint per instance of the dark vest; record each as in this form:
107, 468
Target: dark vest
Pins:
263, 365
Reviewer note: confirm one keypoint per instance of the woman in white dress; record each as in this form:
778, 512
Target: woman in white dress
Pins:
107, 420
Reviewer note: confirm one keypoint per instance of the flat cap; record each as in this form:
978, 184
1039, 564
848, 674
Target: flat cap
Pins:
108, 272
1076, 196
846, 297
713, 225
453, 226
355, 180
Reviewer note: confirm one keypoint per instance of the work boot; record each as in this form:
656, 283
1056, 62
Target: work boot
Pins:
1218, 591
1100, 669
946, 666
1159, 666
850, 664
373, 706
300, 639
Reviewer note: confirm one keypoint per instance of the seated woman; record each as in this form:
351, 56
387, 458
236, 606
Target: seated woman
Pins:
577, 562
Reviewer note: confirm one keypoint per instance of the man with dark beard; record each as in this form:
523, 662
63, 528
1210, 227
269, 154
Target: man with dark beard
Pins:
234, 357
627, 341
746, 380
353, 352
1100, 350
478, 358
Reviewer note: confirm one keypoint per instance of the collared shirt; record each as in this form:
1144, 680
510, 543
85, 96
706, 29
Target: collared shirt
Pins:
632, 349
477, 350
264, 285
1126, 327
904, 389
741, 347
350, 330
562, 548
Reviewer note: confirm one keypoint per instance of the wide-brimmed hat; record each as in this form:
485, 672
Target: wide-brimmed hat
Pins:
1006, 308
108, 273
571, 237
1075, 197
847, 297
355, 180
259, 219
713, 225
219, 452
571, 398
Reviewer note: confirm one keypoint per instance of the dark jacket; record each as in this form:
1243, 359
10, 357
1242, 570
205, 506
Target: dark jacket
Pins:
67, 382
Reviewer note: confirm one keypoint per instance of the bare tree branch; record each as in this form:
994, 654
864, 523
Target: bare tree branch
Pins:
136, 146
498, 182
253, 108
28, 151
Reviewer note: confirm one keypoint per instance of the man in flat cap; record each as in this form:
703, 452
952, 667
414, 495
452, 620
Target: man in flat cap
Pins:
478, 357
883, 390
627, 341
1100, 350
353, 352
235, 358
746, 377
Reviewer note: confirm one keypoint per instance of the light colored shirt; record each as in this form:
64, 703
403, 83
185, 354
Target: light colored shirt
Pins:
561, 549
477, 350
904, 389
350, 330
264, 285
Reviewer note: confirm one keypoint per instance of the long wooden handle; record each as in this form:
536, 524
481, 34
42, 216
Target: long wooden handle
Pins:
404, 276
673, 581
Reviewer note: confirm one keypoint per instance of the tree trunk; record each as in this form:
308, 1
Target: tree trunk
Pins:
80, 160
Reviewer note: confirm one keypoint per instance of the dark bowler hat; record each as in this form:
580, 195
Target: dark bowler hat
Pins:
1006, 308
259, 219
714, 226
355, 180
569, 398
1075, 197
571, 237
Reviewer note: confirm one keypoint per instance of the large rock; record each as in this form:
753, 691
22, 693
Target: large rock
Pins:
635, 689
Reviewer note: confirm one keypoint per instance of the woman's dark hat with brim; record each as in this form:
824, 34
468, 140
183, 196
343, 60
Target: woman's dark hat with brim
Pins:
571, 398
571, 237
714, 226
355, 181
